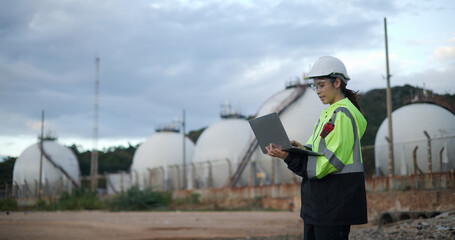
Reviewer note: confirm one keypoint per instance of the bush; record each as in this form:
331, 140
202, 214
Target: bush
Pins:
8, 205
195, 198
192, 201
80, 199
42, 205
135, 199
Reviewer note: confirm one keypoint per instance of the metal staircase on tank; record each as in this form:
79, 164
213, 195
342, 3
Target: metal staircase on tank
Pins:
48, 157
299, 89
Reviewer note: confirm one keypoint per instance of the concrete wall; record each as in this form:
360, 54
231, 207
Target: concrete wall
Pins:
409, 201
435, 192
433, 181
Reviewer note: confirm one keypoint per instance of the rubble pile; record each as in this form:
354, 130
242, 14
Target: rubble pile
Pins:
441, 227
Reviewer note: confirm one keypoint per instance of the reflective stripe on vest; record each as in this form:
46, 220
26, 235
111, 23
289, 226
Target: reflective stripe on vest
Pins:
356, 166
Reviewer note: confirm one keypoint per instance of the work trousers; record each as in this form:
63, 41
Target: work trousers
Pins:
312, 232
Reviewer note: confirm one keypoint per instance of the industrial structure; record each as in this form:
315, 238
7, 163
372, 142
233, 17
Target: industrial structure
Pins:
60, 170
94, 155
299, 108
219, 150
157, 163
227, 154
424, 140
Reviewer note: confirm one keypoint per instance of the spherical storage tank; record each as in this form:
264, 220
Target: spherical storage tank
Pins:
218, 151
158, 162
298, 120
409, 123
27, 168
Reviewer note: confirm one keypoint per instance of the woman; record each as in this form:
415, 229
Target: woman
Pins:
333, 185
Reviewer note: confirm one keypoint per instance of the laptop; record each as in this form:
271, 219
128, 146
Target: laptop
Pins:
269, 129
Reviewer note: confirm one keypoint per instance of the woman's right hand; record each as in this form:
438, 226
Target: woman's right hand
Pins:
273, 151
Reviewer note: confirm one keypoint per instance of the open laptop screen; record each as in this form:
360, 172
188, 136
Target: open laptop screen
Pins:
269, 129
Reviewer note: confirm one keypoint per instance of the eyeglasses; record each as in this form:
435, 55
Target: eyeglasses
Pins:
321, 84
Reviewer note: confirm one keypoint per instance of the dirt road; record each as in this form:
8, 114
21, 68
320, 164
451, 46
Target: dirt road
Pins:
147, 225
198, 225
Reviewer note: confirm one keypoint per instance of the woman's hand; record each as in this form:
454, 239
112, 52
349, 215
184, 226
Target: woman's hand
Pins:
273, 151
297, 144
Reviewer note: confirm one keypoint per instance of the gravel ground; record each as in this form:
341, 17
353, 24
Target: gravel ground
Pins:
440, 227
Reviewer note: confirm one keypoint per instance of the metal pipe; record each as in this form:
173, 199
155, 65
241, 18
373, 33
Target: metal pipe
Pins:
36, 188
193, 175
230, 168
414, 158
150, 176
47, 192
164, 178
273, 171
178, 175
210, 179
40, 189
70, 190
430, 170
252, 180
122, 189
94, 155
441, 169
184, 151
389, 106
136, 178
27, 190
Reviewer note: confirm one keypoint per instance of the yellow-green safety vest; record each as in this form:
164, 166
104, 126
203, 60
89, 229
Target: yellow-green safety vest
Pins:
341, 147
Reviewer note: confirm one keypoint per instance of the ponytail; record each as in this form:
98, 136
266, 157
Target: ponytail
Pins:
351, 95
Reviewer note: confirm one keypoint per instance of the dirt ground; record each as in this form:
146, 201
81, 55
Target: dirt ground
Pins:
254, 225
147, 225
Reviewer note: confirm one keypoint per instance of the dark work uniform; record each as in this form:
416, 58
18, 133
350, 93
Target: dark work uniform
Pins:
333, 185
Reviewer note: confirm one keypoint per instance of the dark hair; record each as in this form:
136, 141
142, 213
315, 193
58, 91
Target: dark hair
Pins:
351, 95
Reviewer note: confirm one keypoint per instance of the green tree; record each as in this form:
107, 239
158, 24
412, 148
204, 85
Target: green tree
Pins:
83, 158
116, 159
111, 160
195, 134
6, 170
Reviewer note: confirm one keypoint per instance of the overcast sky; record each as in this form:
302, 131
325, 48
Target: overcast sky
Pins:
160, 57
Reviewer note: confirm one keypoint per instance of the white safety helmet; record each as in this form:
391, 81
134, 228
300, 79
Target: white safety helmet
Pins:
328, 66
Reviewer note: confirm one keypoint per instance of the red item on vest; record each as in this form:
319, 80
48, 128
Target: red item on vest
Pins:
328, 127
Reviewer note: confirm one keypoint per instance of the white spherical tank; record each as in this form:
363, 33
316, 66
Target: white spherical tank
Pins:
158, 162
409, 123
298, 120
218, 151
26, 169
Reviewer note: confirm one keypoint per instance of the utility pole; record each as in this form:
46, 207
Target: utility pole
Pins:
40, 188
389, 108
94, 159
184, 151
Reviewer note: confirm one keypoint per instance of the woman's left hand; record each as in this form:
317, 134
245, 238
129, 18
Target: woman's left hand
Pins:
273, 151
